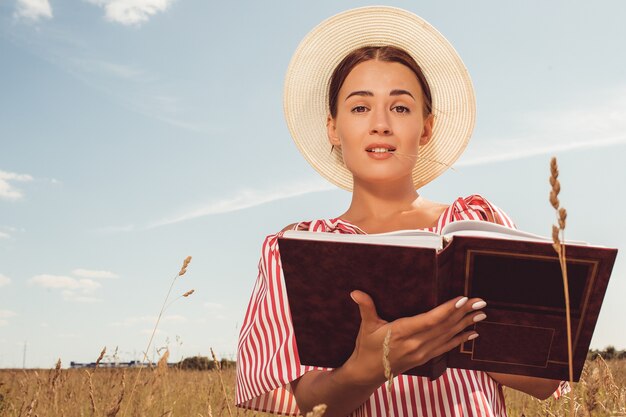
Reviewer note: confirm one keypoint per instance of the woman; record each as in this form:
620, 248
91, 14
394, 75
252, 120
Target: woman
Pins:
391, 126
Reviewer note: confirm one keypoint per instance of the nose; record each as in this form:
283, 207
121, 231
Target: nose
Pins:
379, 123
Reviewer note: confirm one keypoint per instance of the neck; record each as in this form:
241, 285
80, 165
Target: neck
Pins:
381, 201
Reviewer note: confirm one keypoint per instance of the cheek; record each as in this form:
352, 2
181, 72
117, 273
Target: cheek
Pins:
412, 132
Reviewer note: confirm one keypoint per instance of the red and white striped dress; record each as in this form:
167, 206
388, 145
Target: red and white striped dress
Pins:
267, 358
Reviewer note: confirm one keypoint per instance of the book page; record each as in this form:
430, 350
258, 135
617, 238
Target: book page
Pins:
492, 230
410, 238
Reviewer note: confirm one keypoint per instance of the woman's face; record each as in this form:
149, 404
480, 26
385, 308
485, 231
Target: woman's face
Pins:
380, 121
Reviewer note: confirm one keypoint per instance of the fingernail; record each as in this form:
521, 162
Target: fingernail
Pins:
472, 336
461, 302
481, 316
353, 299
478, 304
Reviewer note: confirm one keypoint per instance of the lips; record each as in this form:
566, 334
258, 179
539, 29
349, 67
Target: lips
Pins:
380, 148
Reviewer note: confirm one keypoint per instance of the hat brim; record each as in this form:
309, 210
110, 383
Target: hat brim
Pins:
307, 81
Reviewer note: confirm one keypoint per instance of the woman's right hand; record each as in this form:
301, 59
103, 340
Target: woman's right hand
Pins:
413, 341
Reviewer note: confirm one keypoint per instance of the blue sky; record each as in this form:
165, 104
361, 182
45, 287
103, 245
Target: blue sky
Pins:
135, 133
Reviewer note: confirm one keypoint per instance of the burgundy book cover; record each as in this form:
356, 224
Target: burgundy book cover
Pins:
319, 277
524, 332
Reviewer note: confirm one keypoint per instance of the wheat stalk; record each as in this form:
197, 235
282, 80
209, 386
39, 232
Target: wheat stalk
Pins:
112, 412
182, 271
92, 400
219, 373
162, 364
558, 239
387, 369
413, 155
184, 295
33, 404
54, 382
318, 411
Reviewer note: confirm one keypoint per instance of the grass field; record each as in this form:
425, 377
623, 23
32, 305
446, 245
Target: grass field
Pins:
169, 392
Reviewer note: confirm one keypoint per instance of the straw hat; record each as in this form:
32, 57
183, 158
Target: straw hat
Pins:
308, 78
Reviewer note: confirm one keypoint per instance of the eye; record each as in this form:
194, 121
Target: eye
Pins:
359, 109
402, 109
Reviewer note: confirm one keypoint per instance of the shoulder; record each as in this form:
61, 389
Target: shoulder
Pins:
271, 241
477, 207
270, 251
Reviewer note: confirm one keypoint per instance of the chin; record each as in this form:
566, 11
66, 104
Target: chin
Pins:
384, 179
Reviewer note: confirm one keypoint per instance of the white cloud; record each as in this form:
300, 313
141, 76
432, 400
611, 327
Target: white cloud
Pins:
4, 235
4, 280
4, 315
594, 126
33, 9
79, 290
69, 295
83, 285
7, 190
131, 12
246, 199
88, 273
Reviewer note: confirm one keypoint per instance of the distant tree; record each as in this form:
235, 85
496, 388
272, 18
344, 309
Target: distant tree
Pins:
608, 353
199, 363
225, 363
203, 363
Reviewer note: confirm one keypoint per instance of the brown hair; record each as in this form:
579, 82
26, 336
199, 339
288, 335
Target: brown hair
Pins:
379, 53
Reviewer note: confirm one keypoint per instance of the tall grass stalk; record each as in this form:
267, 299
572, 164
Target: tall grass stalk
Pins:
182, 271
558, 238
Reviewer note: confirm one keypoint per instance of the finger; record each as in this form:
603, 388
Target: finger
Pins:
466, 324
454, 342
453, 310
367, 308
465, 308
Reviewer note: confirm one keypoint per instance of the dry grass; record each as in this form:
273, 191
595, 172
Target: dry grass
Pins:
171, 392
388, 373
161, 391
601, 392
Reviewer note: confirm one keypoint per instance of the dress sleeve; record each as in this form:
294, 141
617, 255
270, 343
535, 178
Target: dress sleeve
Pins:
267, 359
561, 390
476, 207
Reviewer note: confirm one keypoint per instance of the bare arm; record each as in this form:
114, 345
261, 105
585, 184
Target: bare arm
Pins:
414, 340
335, 388
537, 387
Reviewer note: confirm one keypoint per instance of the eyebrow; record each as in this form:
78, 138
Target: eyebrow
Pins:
370, 94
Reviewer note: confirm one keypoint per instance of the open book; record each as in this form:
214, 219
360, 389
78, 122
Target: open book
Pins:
426, 239
410, 272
